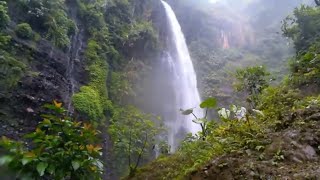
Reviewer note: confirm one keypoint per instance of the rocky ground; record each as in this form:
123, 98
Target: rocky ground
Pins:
293, 153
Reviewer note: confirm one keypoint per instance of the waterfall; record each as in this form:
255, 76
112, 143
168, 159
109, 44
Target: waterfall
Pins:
184, 82
74, 57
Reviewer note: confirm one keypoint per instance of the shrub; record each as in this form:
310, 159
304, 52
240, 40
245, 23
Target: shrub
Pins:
252, 80
11, 71
88, 102
4, 18
24, 31
60, 148
277, 102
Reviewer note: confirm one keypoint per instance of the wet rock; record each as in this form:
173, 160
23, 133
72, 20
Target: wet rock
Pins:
309, 152
314, 117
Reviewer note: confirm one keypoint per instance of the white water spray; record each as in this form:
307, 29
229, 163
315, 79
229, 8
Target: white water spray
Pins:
184, 81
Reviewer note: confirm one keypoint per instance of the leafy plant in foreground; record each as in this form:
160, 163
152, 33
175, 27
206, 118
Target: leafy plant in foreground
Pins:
210, 103
60, 148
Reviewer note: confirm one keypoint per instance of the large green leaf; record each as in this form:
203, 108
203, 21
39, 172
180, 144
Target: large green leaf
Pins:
186, 112
75, 165
199, 121
5, 160
26, 160
41, 167
209, 103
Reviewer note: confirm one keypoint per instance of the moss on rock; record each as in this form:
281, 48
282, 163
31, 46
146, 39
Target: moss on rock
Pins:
87, 101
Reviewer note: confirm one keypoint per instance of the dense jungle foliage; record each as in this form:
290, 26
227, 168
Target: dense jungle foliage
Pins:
73, 74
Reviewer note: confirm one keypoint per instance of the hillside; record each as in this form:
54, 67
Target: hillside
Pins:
150, 89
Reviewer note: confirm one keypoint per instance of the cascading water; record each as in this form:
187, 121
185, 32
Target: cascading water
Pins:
184, 82
74, 50
74, 56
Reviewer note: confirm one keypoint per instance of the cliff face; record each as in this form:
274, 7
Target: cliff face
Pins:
46, 79
54, 70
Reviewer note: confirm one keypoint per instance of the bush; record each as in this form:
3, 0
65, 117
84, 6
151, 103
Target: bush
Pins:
24, 31
4, 18
277, 103
11, 71
60, 148
88, 102
252, 80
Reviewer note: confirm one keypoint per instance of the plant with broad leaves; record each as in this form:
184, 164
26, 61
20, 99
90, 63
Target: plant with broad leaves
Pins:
60, 148
208, 104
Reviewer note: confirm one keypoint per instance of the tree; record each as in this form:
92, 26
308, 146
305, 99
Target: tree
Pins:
304, 30
252, 80
134, 134
317, 2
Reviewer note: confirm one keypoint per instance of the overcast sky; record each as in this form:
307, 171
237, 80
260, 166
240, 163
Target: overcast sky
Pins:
214, 1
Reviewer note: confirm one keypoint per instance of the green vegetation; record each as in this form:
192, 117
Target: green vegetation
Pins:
120, 87
249, 133
87, 101
103, 98
59, 148
92, 14
134, 135
24, 31
49, 18
277, 102
232, 134
92, 100
4, 18
303, 29
252, 80
119, 45
11, 70
203, 121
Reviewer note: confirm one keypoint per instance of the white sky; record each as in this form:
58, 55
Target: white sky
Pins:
214, 1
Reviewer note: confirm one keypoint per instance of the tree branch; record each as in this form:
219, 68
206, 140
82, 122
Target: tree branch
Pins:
129, 154
141, 152
194, 115
206, 114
